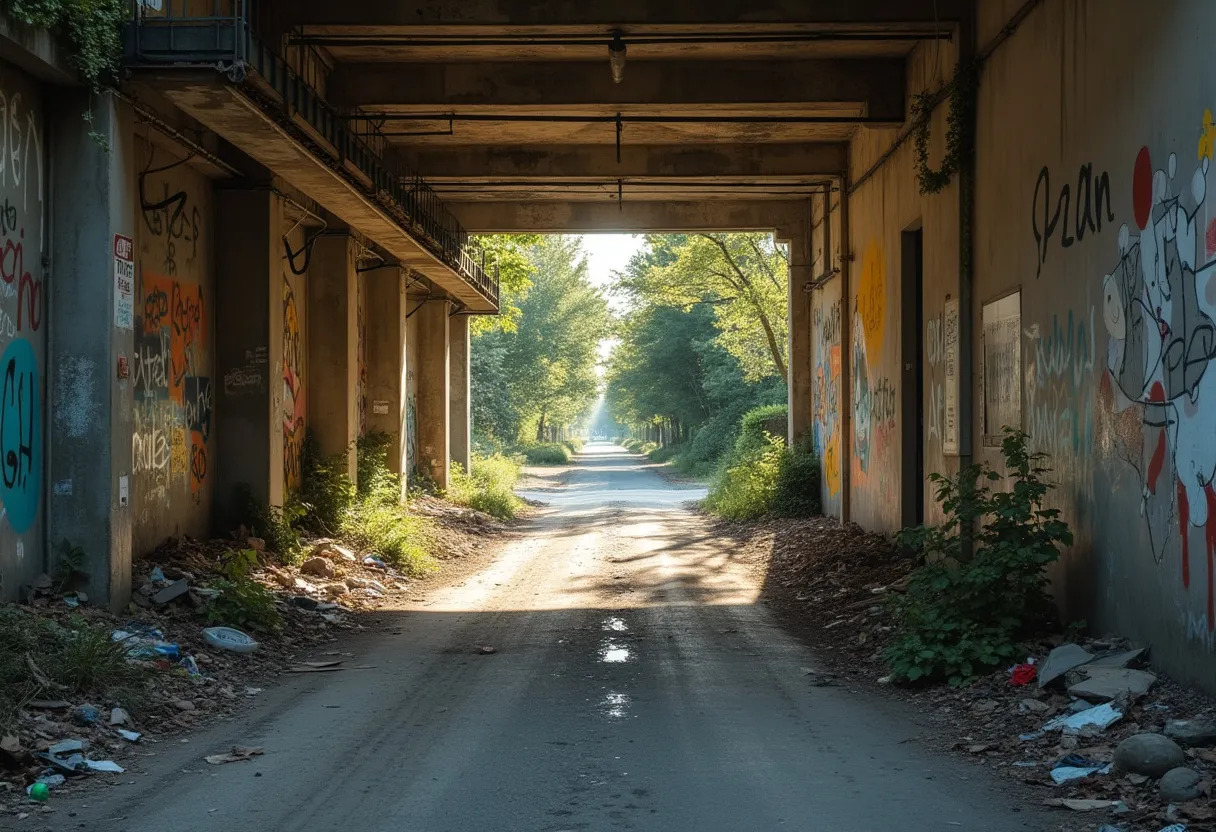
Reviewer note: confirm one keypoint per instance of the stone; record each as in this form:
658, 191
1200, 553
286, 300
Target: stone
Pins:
1125, 659
1061, 660
335, 590
184, 705
1178, 785
1192, 733
301, 585
366, 583
304, 602
172, 592
257, 544
1102, 684
119, 717
320, 567
1149, 754
1034, 706
335, 551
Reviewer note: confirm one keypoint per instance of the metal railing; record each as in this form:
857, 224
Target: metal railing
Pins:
216, 33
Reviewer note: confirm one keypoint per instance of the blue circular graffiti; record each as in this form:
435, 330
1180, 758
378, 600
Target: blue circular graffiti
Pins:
20, 434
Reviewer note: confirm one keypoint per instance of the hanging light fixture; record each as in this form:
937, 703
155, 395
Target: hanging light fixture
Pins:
616, 57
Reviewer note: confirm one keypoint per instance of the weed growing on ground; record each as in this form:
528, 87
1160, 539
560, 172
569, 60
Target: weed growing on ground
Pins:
244, 604
982, 585
544, 453
326, 491
276, 525
489, 487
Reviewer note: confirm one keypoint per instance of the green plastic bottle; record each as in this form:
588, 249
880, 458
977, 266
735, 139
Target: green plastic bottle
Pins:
39, 792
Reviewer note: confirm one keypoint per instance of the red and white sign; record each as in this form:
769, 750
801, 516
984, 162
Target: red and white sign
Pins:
124, 282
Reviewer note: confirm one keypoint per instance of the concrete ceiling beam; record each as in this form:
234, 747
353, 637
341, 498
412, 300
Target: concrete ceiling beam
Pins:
876, 84
534, 163
623, 12
630, 217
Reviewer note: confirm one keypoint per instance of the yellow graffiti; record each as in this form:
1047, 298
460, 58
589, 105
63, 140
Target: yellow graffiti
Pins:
831, 465
1207, 136
872, 297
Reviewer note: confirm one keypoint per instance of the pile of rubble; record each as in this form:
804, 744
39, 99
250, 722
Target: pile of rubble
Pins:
1088, 724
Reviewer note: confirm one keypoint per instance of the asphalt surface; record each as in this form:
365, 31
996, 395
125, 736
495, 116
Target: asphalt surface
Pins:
638, 684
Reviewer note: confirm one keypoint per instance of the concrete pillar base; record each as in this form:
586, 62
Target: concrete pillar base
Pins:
460, 434
434, 392
333, 343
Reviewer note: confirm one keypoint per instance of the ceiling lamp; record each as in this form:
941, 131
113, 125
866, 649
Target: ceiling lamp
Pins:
616, 57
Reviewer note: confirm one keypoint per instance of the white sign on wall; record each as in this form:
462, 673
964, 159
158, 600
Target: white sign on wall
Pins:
124, 282
1002, 368
950, 335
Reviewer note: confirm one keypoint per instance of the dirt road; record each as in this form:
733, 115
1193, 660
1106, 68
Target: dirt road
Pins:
638, 684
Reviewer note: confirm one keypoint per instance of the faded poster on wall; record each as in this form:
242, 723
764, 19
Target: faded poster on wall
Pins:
1002, 370
950, 424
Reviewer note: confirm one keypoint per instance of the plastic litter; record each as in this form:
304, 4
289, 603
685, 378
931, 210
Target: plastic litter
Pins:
104, 765
1175, 827
1023, 674
238, 754
156, 575
129, 736
1076, 767
190, 665
374, 562
52, 780
1102, 716
146, 643
227, 638
38, 791
86, 714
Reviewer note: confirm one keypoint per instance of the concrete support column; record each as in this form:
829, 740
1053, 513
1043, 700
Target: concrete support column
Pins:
333, 348
248, 349
386, 363
460, 435
434, 392
90, 349
799, 386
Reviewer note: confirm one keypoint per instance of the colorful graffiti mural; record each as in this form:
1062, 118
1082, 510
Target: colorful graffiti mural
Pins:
361, 355
1159, 389
825, 395
294, 406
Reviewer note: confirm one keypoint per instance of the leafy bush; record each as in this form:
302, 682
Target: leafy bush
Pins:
746, 489
489, 487
545, 453
663, 454
756, 425
983, 584
371, 464
798, 493
713, 442
574, 445
326, 491
275, 525
243, 603
377, 521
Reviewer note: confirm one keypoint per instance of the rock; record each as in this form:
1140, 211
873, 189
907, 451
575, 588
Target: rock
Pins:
1148, 754
1125, 659
1034, 706
119, 717
319, 566
301, 585
334, 590
1192, 733
283, 579
1061, 660
1102, 684
257, 544
184, 705
1178, 785
172, 592
335, 551
304, 602
365, 583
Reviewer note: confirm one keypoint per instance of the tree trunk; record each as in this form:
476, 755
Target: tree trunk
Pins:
540, 428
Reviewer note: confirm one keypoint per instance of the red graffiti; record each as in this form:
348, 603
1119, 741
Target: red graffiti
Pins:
29, 288
1142, 188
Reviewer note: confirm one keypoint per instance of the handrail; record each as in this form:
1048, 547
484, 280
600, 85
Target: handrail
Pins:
162, 34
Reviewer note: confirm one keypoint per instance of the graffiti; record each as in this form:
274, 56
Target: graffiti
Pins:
20, 150
151, 450
862, 404
20, 426
872, 298
249, 376
1088, 213
1160, 313
411, 427
883, 401
174, 220
29, 288
361, 357
825, 401
293, 389
1059, 387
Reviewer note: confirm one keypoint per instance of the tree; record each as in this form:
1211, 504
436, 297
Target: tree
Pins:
744, 278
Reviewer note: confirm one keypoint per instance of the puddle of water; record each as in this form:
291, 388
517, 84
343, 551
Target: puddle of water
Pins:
615, 705
613, 652
617, 625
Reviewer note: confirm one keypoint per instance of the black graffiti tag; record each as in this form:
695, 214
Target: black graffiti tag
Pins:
1088, 214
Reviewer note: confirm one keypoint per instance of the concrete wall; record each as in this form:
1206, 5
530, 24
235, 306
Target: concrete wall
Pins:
294, 402
411, 385
172, 367
24, 207
1096, 210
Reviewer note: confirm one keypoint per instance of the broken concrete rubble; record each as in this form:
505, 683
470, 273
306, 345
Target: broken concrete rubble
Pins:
1061, 660
320, 567
1192, 733
1103, 684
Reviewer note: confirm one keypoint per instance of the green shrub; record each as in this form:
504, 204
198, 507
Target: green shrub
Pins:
746, 489
757, 424
545, 453
276, 525
982, 584
663, 454
489, 487
243, 603
377, 521
371, 463
798, 493
326, 491
713, 442
574, 445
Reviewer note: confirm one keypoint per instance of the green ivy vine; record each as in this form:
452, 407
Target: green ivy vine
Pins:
960, 128
91, 28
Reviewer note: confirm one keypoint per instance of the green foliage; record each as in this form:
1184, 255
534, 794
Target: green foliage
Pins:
798, 484
960, 130
544, 453
663, 454
39, 657
378, 522
73, 563
236, 564
982, 584
274, 524
574, 445
92, 28
244, 604
756, 427
489, 487
326, 492
747, 487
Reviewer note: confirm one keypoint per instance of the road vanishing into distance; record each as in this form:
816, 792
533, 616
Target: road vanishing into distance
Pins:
638, 683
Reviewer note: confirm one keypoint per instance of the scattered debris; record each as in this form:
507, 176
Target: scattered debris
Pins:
239, 753
1192, 733
1022, 674
1086, 805
1100, 717
119, 717
86, 714
320, 567
1061, 660
1102, 684
130, 736
226, 638
487, 650
1076, 767
171, 593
